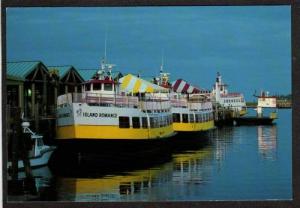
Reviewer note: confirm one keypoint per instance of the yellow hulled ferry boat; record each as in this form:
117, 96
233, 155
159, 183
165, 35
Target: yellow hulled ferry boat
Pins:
107, 110
192, 109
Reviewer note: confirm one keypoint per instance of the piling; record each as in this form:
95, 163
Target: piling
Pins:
19, 149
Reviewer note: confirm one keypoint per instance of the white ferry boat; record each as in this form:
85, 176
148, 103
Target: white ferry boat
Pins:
233, 101
192, 109
114, 110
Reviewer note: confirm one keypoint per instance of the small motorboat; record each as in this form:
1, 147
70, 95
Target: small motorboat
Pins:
39, 154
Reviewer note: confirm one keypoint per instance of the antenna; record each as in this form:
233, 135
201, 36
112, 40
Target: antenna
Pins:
162, 62
105, 42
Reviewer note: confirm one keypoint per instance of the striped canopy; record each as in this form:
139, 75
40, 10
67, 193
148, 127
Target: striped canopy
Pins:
131, 83
182, 86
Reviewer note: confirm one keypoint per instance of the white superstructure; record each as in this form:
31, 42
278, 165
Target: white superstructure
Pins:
233, 101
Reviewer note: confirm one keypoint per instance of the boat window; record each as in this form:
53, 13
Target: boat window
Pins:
176, 117
152, 123
124, 122
107, 87
144, 122
192, 118
170, 118
185, 118
97, 86
197, 118
162, 121
87, 87
136, 122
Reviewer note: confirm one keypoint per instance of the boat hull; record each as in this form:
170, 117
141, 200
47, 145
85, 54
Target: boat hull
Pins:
82, 121
94, 132
193, 127
37, 161
253, 121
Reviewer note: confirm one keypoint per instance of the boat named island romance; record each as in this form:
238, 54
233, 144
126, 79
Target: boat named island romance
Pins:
192, 108
107, 109
232, 101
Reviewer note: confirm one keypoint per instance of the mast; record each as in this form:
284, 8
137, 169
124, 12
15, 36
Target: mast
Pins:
105, 67
162, 62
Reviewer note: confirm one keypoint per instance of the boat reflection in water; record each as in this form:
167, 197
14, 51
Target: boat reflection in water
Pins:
140, 184
39, 187
267, 141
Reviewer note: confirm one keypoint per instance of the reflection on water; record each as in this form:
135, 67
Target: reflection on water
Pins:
267, 141
185, 167
226, 163
39, 187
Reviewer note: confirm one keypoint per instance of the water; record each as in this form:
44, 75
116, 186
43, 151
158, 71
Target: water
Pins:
233, 163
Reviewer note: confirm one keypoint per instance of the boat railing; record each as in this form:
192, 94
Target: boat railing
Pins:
191, 103
159, 105
99, 99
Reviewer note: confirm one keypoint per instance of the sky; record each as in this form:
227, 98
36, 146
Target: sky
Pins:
250, 46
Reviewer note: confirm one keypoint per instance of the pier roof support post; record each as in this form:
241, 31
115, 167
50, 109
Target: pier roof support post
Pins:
66, 89
21, 97
33, 99
75, 89
55, 93
44, 106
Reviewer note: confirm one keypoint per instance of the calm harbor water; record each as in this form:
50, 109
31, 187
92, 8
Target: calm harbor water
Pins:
230, 163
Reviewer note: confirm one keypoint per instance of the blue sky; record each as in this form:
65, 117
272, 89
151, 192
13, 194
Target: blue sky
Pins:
250, 46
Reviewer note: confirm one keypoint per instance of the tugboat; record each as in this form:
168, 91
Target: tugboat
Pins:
106, 111
192, 108
264, 101
232, 101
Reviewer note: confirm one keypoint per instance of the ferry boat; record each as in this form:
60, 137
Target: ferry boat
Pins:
114, 110
232, 101
192, 109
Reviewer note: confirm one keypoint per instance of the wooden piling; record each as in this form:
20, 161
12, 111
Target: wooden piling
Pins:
36, 117
14, 146
19, 147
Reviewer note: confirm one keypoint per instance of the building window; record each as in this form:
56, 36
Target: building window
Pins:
136, 122
107, 87
124, 122
97, 86
87, 87
185, 118
144, 122
176, 117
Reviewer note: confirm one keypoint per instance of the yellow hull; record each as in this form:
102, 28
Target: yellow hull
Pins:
192, 127
243, 112
111, 132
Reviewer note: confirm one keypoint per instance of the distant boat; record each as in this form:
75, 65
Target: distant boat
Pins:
40, 153
264, 101
232, 101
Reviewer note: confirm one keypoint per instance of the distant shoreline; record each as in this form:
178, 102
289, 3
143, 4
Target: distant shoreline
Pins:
280, 104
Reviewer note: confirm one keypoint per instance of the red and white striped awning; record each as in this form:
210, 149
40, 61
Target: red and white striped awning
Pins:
182, 86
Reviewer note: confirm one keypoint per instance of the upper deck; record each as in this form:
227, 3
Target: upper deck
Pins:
148, 104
